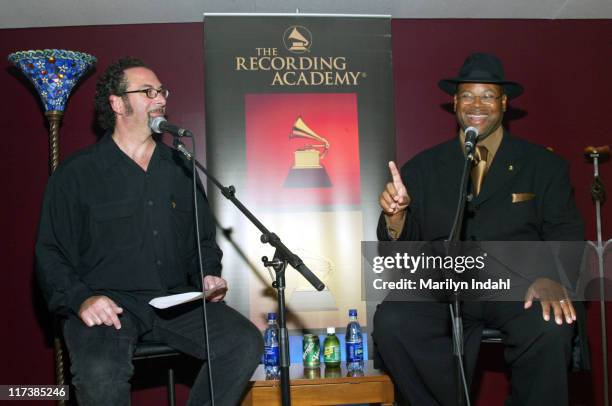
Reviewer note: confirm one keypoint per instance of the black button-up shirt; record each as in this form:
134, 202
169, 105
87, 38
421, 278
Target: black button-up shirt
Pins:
110, 228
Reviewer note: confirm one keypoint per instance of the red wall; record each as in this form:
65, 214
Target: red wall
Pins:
565, 67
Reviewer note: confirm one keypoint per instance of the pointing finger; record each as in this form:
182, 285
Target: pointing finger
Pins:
114, 320
397, 178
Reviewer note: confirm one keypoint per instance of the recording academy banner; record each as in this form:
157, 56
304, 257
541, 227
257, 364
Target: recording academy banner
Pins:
299, 118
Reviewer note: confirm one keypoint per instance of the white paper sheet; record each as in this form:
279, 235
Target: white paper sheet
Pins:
165, 302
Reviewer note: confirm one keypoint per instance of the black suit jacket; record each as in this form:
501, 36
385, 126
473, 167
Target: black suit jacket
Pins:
548, 214
538, 178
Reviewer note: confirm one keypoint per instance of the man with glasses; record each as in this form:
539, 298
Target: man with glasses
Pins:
519, 192
116, 231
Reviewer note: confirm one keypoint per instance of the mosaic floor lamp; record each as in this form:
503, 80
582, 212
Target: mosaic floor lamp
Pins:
53, 72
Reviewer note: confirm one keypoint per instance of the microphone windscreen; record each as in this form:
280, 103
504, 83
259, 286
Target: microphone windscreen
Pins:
155, 124
471, 132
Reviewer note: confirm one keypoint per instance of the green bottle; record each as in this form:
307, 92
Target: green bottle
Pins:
331, 349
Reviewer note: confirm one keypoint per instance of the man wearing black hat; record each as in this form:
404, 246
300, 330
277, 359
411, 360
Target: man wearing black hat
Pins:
518, 192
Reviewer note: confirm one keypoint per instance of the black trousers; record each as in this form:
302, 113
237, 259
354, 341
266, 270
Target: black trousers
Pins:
414, 341
101, 356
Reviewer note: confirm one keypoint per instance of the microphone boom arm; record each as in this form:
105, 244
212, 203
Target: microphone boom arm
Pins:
282, 252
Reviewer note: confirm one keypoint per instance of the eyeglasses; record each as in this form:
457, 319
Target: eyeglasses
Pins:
151, 92
468, 98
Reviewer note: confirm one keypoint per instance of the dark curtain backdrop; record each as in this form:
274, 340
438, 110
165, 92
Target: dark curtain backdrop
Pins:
564, 65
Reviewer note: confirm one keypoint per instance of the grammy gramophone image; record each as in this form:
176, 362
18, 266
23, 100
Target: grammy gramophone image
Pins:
298, 41
307, 171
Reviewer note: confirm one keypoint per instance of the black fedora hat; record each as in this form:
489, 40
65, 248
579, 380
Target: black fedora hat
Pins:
481, 68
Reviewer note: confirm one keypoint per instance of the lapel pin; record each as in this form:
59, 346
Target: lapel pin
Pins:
510, 167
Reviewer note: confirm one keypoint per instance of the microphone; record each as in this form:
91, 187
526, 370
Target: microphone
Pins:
471, 137
161, 125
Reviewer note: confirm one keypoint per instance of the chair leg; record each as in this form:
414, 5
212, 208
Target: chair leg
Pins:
171, 398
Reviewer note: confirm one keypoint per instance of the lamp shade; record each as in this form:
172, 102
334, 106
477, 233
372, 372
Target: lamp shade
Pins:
54, 72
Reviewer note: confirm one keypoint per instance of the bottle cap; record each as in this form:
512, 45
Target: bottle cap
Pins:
352, 312
271, 316
331, 330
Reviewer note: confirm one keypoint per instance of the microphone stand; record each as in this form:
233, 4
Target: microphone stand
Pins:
282, 257
194, 186
463, 396
598, 194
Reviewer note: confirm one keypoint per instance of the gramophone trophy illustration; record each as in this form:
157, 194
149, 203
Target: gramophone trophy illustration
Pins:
307, 171
298, 42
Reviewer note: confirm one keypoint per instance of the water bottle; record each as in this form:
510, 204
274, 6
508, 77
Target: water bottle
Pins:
354, 343
271, 354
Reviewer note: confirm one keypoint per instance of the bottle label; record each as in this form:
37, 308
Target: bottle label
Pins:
331, 353
271, 355
354, 352
311, 351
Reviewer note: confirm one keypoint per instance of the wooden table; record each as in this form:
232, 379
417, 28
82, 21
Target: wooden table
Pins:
322, 386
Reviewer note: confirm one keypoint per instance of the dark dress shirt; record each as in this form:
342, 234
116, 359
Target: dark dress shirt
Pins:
108, 227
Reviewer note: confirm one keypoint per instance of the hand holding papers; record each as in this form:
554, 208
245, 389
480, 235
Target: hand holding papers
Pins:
165, 302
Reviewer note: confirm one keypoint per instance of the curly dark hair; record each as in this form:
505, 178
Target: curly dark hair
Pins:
112, 82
